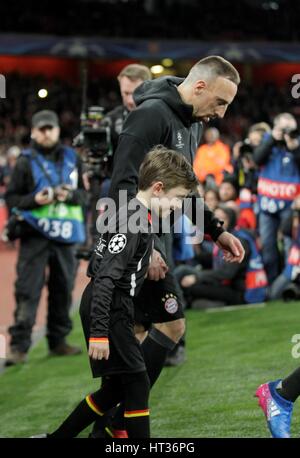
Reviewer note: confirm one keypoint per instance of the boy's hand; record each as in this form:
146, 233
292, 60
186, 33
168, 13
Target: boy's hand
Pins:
99, 350
157, 268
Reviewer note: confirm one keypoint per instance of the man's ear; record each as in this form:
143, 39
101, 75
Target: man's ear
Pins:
199, 86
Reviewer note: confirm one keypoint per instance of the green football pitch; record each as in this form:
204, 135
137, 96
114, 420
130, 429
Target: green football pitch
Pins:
229, 353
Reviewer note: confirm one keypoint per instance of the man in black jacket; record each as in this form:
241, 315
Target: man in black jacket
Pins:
46, 184
170, 111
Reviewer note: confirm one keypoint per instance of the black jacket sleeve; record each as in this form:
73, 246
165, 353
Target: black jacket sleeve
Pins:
262, 151
111, 269
296, 154
143, 128
20, 189
228, 271
201, 216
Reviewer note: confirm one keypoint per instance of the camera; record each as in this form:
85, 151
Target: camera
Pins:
292, 133
292, 291
246, 149
94, 142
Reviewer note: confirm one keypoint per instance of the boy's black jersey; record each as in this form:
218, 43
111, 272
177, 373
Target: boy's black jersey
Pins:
120, 260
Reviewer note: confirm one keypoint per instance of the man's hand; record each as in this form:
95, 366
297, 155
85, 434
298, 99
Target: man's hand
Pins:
291, 143
157, 268
62, 193
232, 248
99, 350
44, 197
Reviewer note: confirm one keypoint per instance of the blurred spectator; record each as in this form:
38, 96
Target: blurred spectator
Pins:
287, 284
278, 156
212, 158
12, 155
212, 198
245, 168
229, 192
225, 283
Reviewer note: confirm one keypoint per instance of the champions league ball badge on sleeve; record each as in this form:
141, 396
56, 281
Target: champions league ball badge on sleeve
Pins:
117, 243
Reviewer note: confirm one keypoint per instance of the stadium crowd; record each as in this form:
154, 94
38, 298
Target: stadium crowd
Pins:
143, 19
229, 166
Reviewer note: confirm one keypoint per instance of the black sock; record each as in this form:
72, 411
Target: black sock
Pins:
81, 417
290, 388
155, 348
138, 427
136, 414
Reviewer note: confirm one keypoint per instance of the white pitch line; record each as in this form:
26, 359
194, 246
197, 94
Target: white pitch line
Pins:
231, 308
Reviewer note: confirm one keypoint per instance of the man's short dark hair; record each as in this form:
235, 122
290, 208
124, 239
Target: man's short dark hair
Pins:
214, 66
135, 72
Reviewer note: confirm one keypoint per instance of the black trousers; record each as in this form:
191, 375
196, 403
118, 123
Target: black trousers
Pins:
211, 289
35, 255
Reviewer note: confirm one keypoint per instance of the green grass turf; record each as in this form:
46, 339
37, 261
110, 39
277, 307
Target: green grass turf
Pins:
211, 395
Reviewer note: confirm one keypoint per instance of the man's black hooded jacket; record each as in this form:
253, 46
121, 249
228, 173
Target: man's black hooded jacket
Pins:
161, 118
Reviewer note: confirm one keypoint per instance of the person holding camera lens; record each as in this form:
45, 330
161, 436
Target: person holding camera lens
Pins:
45, 194
278, 156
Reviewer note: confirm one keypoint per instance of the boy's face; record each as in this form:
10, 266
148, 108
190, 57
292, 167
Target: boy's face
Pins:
164, 202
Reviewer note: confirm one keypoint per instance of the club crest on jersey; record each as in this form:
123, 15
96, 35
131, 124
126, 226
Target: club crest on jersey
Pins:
171, 304
117, 243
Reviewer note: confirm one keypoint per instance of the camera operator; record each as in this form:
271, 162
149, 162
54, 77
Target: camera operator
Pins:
46, 192
278, 156
131, 76
129, 79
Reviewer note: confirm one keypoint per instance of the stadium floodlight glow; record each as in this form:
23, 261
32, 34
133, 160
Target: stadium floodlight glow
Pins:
43, 93
157, 69
167, 62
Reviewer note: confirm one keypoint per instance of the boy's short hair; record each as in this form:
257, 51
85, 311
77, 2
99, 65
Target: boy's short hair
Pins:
169, 167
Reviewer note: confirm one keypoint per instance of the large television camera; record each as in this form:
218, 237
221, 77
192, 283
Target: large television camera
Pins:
94, 142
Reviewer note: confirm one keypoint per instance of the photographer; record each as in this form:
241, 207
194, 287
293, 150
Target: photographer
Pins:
245, 169
46, 194
278, 155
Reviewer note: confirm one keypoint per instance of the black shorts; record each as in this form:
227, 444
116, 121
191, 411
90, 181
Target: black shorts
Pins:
158, 302
125, 354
